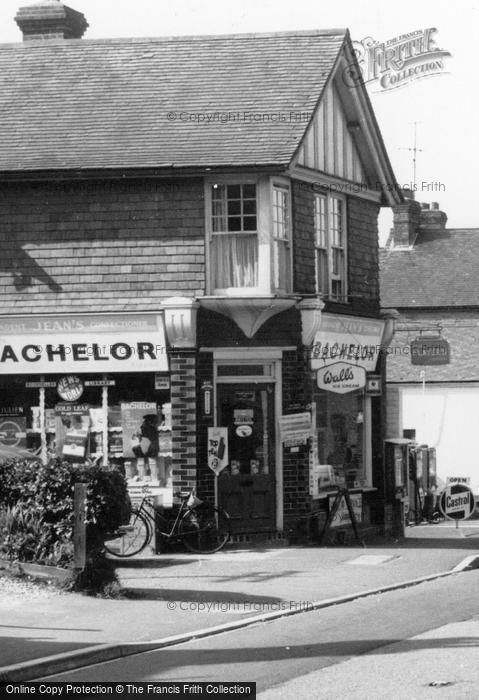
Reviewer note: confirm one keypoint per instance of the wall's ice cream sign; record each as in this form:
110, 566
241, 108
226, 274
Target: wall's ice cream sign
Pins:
83, 343
341, 378
397, 61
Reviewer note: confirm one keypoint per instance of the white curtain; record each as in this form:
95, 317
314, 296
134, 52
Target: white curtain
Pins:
235, 260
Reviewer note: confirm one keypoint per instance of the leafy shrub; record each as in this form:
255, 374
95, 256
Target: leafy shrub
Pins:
36, 515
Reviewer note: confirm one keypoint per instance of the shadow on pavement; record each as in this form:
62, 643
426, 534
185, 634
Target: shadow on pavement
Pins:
18, 649
188, 596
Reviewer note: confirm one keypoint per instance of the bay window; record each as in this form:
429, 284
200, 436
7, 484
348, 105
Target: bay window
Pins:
249, 236
330, 245
281, 239
234, 236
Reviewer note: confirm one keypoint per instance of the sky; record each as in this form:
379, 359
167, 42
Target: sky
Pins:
441, 106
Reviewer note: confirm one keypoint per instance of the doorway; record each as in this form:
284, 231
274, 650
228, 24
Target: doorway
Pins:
246, 488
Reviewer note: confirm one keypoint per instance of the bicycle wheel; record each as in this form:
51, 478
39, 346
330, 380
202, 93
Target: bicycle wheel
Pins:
205, 529
131, 538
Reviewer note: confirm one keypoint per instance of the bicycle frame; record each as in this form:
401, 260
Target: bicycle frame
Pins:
153, 511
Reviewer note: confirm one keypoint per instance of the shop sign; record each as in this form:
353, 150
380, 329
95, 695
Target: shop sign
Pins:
341, 377
40, 385
430, 351
373, 385
244, 430
217, 449
341, 517
458, 480
243, 415
162, 382
100, 382
350, 339
296, 429
457, 502
70, 388
83, 343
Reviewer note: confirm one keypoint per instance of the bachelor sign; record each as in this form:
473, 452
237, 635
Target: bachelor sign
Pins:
82, 343
347, 339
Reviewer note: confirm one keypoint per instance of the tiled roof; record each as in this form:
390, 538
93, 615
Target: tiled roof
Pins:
441, 269
105, 103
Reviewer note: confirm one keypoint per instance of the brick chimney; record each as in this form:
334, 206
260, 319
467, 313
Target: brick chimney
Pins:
432, 218
406, 218
50, 19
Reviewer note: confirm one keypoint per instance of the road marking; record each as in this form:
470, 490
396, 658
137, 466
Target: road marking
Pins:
372, 559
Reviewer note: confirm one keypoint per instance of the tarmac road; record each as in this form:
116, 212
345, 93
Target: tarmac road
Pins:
284, 651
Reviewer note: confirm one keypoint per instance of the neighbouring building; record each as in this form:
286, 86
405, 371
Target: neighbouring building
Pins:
429, 275
190, 284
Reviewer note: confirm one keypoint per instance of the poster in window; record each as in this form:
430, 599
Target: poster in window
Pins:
13, 432
72, 428
139, 420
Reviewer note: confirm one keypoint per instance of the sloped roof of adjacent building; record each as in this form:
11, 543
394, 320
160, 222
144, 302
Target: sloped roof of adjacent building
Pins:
440, 270
168, 102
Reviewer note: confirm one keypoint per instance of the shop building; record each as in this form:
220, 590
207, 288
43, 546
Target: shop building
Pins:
189, 235
429, 275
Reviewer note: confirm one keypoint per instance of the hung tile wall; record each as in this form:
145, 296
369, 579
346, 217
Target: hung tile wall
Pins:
100, 246
363, 266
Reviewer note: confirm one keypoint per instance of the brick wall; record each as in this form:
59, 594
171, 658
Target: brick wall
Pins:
206, 478
393, 414
296, 396
363, 266
183, 413
100, 246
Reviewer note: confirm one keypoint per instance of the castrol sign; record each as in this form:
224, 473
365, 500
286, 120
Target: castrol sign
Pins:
457, 502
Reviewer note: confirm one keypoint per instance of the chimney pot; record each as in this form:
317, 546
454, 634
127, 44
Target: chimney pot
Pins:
424, 205
432, 219
50, 19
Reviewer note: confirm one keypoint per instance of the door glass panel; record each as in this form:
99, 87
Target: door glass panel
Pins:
247, 410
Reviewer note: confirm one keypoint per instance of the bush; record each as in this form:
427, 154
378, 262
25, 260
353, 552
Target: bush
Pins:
36, 515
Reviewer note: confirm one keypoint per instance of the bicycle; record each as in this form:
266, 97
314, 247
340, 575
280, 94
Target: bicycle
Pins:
203, 528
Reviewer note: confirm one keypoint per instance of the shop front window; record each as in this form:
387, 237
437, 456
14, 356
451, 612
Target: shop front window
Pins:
123, 420
340, 429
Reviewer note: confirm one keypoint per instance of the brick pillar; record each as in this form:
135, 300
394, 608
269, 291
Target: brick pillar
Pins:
183, 417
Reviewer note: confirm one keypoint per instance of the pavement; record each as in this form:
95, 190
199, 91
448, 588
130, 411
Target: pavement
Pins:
440, 663
174, 597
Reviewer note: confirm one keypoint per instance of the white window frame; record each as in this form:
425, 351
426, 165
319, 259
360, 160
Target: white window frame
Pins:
325, 245
262, 235
282, 279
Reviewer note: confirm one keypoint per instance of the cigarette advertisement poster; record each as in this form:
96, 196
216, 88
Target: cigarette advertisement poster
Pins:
13, 435
217, 449
139, 422
341, 516
295, 429
72, 425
